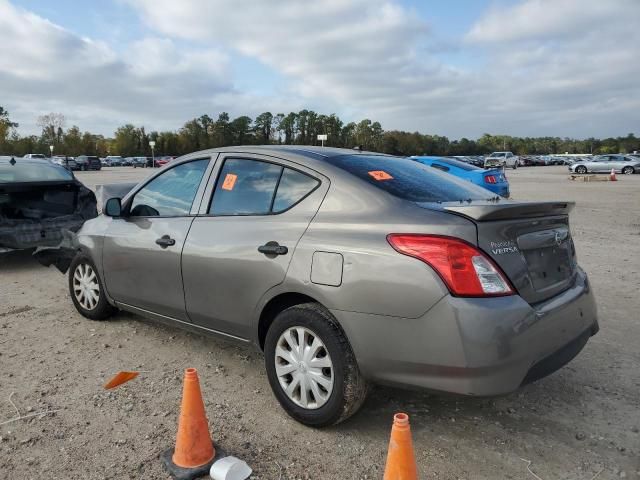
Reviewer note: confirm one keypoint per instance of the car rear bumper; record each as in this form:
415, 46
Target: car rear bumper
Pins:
500, 189
30, 234
474, 346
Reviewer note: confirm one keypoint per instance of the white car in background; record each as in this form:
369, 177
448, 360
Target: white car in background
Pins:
502, 159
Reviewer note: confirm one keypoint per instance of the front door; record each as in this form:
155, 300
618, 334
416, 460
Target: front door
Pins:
141, 254
243, 241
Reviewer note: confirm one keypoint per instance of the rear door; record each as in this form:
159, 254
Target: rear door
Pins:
242, 242
141, 254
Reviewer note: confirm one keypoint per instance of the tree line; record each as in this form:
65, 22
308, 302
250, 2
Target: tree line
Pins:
301, 128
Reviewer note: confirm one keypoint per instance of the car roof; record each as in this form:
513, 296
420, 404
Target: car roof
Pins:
311, 156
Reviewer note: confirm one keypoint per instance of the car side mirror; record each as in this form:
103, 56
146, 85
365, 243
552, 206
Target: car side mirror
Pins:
113, 208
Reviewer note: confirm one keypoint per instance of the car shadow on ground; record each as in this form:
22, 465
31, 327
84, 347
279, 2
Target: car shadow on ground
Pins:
18, 260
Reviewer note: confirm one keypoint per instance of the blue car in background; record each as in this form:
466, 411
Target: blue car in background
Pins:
492, 179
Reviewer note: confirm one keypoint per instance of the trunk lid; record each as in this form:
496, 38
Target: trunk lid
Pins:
531, 242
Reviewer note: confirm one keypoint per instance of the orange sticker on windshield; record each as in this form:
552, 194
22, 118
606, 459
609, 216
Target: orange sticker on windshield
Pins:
380, 175
229, 181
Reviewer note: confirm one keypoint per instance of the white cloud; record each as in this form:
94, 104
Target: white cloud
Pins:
541, 67
156, 82
552, 67
542, 20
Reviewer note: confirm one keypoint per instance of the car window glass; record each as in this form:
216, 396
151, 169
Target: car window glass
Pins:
245, 187
293, 187
25, 171
407, 179
171, 193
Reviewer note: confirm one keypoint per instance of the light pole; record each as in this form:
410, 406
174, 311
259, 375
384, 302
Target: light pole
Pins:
51, 150
152, 144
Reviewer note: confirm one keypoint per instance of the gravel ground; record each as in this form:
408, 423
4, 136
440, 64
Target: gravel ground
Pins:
580, 423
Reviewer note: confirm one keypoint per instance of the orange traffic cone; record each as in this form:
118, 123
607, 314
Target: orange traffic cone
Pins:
401, 463
612, 176
194, 452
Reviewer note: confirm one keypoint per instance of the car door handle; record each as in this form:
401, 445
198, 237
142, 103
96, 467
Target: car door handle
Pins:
273, 248
165, 241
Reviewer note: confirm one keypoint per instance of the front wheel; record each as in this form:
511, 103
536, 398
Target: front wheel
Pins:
627, 170
311, 367
515, 165
86, 289
581, 169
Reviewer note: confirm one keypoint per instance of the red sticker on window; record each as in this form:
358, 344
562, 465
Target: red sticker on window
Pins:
229, 181
380, 175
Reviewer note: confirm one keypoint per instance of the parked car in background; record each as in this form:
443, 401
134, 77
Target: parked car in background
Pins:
114, 160
67, 162
605, 163
88, 162
528, 160
344, 267
162, 161
127, 161
471, 160
38, 202
493, 180
35, 155
501, 159
142, 162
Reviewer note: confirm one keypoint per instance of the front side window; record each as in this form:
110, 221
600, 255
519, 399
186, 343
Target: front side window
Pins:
170, 194
253, 187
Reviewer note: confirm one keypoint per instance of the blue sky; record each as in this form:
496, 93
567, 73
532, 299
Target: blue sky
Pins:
462, 68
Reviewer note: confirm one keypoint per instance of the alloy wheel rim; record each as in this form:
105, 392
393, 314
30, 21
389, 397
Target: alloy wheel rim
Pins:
304, 368
85, 286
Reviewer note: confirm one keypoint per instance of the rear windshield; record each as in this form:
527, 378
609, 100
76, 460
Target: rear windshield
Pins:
24, 171
408, 179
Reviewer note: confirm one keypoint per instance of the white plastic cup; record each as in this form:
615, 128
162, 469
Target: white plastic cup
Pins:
230, 468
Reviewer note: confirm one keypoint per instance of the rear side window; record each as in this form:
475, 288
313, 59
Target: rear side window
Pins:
253, 187
409, 180
293, 187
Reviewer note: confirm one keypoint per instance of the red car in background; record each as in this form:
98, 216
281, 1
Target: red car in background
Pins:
162, 161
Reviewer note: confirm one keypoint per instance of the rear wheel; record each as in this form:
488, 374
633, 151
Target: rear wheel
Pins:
311, 368
581, 169
86, 289
627, 170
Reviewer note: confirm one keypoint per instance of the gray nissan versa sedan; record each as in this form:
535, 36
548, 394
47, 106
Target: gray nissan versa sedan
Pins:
344, 267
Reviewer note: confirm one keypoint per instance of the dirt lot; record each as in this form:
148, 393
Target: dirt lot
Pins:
580, 423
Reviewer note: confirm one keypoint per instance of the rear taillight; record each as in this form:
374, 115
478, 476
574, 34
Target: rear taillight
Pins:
490, 179
465, 270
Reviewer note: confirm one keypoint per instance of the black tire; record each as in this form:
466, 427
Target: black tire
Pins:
349, 388
515, 165
581, 169
628, 170
103, 309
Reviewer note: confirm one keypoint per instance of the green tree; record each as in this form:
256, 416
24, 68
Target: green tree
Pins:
6, 129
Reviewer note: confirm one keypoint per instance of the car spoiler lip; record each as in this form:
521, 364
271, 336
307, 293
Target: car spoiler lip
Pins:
492, 211
487, 210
